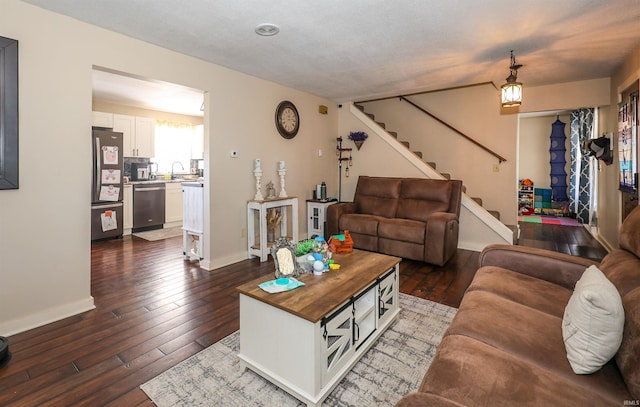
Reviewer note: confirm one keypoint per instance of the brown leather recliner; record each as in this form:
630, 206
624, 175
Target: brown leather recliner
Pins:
412, 218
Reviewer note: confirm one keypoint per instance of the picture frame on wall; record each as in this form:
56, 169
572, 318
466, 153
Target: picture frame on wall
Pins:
8, 113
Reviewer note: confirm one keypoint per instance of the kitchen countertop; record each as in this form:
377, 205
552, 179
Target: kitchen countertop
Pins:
163, 181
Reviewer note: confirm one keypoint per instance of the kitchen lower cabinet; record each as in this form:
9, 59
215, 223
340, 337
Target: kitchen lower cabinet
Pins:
127, 221
173, 204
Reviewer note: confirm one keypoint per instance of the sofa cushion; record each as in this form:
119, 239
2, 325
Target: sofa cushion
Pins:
377, 196
533, 336
628, 356
473, 373
592, 323
402, 229
630, 232
419, 198
526, 290
360, 224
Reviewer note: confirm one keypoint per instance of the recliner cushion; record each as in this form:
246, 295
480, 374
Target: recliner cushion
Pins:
419, 198
377, 196
402, 229
360, 223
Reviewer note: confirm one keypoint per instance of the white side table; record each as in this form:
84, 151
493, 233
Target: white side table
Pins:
257, 245
317, 217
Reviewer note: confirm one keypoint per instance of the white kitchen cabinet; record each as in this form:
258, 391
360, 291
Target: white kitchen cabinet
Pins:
127, 221
125, 125
145, 137
102, 119
139, 135
173, 204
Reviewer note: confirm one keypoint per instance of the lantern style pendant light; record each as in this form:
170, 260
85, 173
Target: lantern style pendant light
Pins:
512, 90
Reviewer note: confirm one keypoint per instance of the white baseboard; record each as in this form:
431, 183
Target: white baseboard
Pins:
46, 317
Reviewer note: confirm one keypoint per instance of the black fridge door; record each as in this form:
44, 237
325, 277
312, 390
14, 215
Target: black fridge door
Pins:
106, 220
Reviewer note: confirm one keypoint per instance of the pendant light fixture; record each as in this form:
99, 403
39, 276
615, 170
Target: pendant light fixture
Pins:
512, 90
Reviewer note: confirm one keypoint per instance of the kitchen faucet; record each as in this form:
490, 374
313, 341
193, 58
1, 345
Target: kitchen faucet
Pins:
172, 165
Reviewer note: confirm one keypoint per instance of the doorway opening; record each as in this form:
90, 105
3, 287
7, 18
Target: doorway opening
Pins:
162, 125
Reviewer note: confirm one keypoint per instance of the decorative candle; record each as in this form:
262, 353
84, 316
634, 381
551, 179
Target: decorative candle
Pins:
258, 164
282, 165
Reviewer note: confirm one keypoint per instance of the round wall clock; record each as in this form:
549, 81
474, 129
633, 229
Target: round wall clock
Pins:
287, 120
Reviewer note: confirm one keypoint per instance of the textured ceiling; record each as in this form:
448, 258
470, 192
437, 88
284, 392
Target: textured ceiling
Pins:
358, 49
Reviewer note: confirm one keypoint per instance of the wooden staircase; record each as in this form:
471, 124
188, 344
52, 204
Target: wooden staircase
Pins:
433, 165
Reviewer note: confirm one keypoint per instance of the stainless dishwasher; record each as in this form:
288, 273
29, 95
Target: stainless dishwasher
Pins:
148, 206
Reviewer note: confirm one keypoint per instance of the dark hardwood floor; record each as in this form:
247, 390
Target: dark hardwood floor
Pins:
153, 310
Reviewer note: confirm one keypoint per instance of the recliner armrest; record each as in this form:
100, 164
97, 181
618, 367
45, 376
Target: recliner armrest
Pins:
558, 268
334, 212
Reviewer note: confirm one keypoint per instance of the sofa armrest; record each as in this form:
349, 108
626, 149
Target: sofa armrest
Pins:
558, 268
442, 237
334, 212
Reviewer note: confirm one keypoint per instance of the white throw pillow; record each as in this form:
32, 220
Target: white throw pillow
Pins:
593, 322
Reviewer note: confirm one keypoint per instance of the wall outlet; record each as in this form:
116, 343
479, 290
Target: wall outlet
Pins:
496, 167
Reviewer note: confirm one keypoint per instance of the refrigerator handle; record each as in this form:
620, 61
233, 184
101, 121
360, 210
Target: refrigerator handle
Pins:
98, 164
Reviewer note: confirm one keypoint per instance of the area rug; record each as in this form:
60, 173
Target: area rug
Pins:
159, 234
392, 368
549, 220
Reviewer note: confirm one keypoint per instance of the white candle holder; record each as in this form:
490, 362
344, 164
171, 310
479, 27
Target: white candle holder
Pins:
282, 172
258, 175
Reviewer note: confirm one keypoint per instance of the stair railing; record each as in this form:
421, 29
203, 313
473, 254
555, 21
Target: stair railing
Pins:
500, 158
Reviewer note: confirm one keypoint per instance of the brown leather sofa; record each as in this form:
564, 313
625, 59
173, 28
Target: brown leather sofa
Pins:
505, 345
412, 218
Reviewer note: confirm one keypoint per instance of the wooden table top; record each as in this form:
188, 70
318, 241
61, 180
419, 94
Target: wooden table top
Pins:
322, 294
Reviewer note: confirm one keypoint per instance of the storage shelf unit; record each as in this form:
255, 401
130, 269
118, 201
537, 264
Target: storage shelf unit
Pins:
525, 197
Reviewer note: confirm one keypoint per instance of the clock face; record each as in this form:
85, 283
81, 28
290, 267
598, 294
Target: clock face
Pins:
287, 120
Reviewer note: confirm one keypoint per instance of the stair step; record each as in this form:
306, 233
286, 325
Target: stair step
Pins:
382, 125
359, 106
464, 188
478, 200
495, 214
405, 143
431, 164
393, 133
418, 153
370, 115
446, 175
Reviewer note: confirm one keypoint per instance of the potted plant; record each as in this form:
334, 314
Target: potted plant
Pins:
358, 137
303, 249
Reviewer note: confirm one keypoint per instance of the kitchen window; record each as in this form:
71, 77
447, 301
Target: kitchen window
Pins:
174, 142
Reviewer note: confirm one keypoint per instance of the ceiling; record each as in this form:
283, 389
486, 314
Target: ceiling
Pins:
362, 49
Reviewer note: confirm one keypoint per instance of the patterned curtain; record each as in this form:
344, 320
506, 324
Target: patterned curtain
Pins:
579, 183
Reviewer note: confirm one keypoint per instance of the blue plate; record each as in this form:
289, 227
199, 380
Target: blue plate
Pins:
282, 281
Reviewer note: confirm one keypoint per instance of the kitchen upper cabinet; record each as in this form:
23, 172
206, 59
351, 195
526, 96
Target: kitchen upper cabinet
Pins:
145, 137
139, 134
102, 119
173, 202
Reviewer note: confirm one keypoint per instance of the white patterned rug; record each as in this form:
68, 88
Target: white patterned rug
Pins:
393, 367
160, 234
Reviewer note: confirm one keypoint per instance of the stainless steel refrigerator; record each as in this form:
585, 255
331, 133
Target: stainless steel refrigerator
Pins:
107, 189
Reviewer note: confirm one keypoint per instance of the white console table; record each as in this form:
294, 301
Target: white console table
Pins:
257, 245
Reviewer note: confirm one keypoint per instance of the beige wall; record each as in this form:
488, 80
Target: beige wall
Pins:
533, 150
609, 197
476, 112
44, 225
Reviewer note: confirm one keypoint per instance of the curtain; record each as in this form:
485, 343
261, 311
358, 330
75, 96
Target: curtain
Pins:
580, 183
